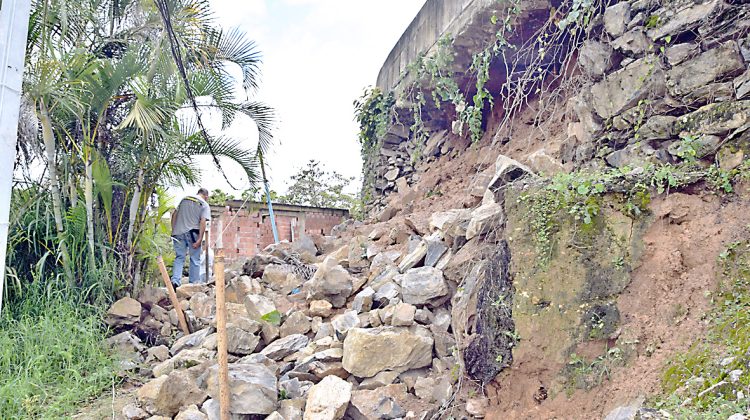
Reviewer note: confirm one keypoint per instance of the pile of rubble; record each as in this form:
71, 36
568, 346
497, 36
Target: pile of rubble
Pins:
359, 327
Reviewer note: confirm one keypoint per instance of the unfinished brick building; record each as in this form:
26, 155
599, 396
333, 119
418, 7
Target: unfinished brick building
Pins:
250, 231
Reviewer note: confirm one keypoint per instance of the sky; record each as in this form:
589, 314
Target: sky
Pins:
318, 56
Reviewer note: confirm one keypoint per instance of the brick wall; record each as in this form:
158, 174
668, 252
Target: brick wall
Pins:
247, 229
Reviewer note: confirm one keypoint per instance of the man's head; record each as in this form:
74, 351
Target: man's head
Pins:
203, 193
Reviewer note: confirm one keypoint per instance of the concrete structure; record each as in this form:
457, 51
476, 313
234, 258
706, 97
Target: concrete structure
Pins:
435, 19
247, 230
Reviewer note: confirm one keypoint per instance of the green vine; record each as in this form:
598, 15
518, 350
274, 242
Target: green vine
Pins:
373, 113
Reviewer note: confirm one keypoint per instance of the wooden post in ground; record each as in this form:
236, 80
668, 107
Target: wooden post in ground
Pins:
208, 244
221, 325
173, 296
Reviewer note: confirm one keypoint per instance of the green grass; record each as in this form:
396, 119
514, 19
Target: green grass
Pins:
52, 357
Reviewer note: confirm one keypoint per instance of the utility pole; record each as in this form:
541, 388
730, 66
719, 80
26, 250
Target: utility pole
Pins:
14, 26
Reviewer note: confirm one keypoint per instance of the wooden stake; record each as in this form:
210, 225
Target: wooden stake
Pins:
173, 295
208, 242
221, 325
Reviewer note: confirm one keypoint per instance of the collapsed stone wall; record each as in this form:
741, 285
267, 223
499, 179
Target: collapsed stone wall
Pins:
647, 75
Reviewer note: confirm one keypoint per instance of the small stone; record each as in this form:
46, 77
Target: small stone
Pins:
423, 388
363, 300
133, 412
616, 18
345, 322
734, 376
403, 315
423, 316
191, 341
477, 407
380, 403
382, 379
321, 308
387, 293
328, 399
283, 347
158, 353
296, 323
191, 413
240, 341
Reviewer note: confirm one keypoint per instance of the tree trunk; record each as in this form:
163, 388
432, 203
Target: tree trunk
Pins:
88, 192
50, 149
134, 204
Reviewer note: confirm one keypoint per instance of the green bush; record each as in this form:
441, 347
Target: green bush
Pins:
52, 357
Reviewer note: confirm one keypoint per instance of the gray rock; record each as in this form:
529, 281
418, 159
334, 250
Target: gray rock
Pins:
377, 404
392, 174
124, 312
420, 286
623, 89
388, 293
252, 388
283, 347
345, 322
370, 351
240, 341
294, 388
403, 315
703, 146
166, 394
133, 412
331, 282
436, 248
191, 413
363, 300
659, 127
190, 341
380, 380
677, 54
742, 85
414, 257
507, 170
634, 42
715, 119
328, 399
595, 58
684, 19
296, 323
616, 18
715, 64
484, 219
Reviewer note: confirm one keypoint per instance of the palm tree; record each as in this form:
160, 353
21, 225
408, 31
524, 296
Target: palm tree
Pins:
110, 81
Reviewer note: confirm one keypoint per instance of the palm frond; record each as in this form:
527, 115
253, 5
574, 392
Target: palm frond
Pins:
234, 46
231, 149
265, 118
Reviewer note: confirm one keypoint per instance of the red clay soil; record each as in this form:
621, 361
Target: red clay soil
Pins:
662, 310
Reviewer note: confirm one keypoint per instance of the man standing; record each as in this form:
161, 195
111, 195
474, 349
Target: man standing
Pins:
188, 229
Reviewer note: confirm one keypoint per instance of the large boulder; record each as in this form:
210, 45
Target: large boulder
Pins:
252, 388
166, 395
328, 399
421, 286
369, 351
485, 218
507, 170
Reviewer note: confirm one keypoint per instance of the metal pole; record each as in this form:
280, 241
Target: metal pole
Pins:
221, 326
268, 199
14, 25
